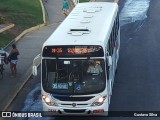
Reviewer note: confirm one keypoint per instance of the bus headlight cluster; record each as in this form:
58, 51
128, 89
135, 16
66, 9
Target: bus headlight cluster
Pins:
49, 101
99, 101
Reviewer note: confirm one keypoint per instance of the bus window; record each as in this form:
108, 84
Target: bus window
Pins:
95, 68
110, 46
73, 76
107, 69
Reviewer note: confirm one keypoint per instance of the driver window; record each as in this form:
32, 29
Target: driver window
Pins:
94, 68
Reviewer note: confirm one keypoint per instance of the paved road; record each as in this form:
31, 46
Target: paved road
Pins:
137, 82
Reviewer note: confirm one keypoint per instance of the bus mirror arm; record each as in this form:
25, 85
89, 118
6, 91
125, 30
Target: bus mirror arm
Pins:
109, 61
34, 70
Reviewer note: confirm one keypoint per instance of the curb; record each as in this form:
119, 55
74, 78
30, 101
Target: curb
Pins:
43, 12
6, 28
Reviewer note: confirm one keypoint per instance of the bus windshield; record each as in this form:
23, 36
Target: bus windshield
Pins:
72, 76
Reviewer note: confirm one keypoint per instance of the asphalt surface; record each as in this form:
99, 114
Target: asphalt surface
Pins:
136, 87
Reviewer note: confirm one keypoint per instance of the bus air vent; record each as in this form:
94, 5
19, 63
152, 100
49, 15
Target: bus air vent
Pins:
79, 31
85, 21
92, 10
88, 16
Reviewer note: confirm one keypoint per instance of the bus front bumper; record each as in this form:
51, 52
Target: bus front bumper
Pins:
75, 111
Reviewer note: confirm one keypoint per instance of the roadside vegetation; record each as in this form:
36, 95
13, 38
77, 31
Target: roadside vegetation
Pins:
84, 0
23, 13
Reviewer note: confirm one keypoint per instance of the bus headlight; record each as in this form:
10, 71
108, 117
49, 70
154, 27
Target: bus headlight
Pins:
99, 101
49, 101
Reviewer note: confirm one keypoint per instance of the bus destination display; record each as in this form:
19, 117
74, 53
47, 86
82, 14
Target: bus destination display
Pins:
73, 51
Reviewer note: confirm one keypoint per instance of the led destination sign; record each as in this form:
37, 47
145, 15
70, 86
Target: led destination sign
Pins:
73, 51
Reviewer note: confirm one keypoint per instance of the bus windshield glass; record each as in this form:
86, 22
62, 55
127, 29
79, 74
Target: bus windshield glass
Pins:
73, 76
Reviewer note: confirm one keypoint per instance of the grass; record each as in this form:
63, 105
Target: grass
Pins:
84, 0
23, 13
5, 38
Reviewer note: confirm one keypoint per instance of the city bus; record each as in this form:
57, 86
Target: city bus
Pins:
79, 61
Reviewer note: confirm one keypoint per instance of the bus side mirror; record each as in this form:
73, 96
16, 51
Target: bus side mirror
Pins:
34, 70
109, 61
36, 63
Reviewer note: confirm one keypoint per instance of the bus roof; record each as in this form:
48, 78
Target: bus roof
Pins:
89, 23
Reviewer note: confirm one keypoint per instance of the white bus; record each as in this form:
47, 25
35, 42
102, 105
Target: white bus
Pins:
79, 60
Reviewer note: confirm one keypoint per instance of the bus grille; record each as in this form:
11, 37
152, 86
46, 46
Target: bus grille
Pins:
74, 111
73, 98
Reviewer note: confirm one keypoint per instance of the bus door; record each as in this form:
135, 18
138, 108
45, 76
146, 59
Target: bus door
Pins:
109, 81
111, 52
